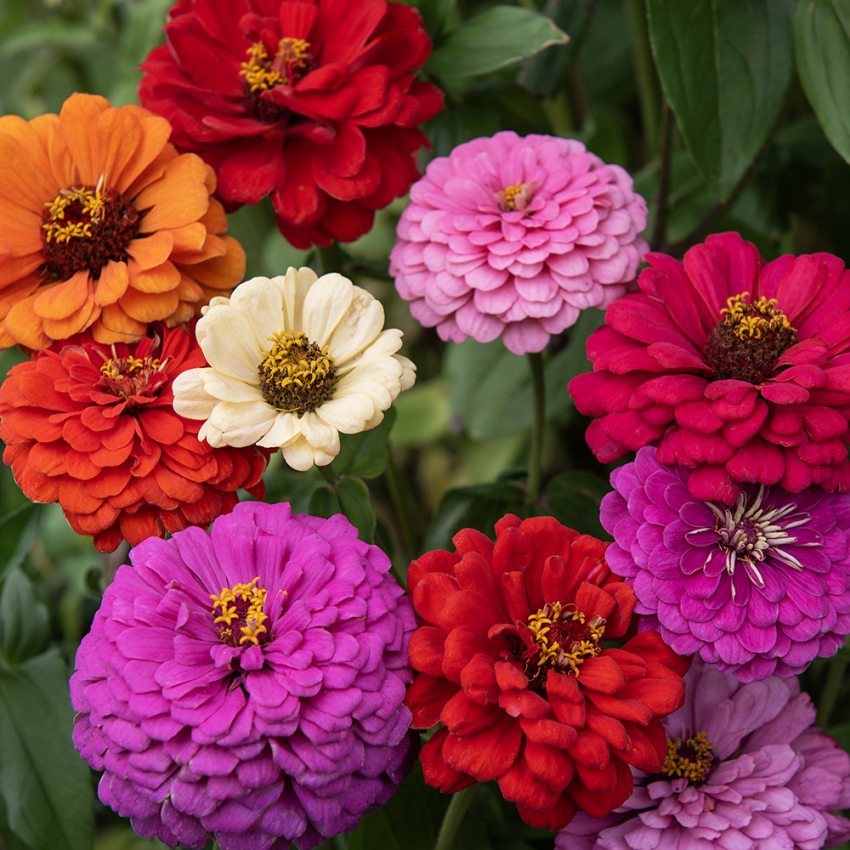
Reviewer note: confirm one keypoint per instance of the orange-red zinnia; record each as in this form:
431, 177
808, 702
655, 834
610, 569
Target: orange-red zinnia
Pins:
104, 226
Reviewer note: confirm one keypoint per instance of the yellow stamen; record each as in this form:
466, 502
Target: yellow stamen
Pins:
694, 764
754, 319
551, 653
262, 73
241, 603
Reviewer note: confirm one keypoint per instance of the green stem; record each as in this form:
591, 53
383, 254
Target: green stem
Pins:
454, 815
662, 195
644, 72
831, 689
538, 386
331, 259
401, 508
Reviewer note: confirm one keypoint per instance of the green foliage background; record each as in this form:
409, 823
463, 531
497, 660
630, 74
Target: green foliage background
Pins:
730, 114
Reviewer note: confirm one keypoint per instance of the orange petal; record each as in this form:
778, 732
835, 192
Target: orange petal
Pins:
214, 246
151, 250
60, 300
146, 307
114, 279
33, 141
188, 241
20, 181
179, 198
154, 132
79, 117
117, 137
221, 272
115, 325
25, 327
15, 269
189, 290
20, 229
17, 291
76, 323
215, 219
163, 278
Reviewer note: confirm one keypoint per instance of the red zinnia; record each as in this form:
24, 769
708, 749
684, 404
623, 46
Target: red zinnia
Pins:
512, 661
93, 427
312, 102
735, 369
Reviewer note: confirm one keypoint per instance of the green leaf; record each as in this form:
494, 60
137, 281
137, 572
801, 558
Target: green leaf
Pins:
574, 498
725, 67
480, 506
437, 14
349, 496
365, 454
24, 622
423, 414
822, 38
498, 37
17, 531
45, 785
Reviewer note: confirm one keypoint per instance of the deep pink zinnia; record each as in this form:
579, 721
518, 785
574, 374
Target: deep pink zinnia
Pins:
513, 237
759, 587
735, 369
745, 770
246, 685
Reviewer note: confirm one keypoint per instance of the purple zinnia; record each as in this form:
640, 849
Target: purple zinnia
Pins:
512, 237
744, 771
246, 685
758, 587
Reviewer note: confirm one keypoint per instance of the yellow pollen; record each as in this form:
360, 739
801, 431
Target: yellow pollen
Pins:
240, 604
690, 759
262, 73
754, 319
91, 203
554, 619
516, 197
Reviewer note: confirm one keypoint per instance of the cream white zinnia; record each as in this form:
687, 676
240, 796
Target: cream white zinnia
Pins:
294, 361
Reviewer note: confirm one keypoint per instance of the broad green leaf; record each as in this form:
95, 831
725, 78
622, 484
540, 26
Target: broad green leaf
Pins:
365, 454
349, 496
45, 785
573, 499
822, 38
17, 531
725, 67
24, 622
437, 14
498, 37
423, 414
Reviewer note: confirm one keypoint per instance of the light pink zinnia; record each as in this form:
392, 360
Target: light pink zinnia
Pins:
744, 771
512, 237
735, 368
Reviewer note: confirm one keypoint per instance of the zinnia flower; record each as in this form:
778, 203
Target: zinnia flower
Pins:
735, 368
294, 361
512, 659
92, 427
758, 587
246, 685
744, 771
313, 103
104, 226
513, 237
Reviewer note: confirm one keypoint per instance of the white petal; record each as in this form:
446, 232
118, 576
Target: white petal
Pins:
242, 424
212, 435
260, 301
408, 374
293, 288
387, 344
380, 392
319, 434
359, 327
190, 398
229, 344
325, 305
229, 389
284, 430
301, 455
348, 414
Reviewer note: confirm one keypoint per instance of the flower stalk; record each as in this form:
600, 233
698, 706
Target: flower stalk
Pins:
535, 464
453, 817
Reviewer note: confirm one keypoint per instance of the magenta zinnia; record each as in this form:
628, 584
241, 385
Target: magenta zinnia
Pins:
735, 368
512, 237
246, 685
745, 770
757, 587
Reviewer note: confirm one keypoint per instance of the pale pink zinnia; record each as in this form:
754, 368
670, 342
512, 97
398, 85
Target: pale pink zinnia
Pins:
513, 237
745, 770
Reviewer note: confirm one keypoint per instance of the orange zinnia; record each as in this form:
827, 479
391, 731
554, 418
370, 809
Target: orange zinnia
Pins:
104, 226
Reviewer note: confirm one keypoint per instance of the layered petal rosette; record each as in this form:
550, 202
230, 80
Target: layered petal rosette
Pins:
103, 226
295, 360
758, 587
744, 769
513, 237
512, 658
314, 103
734, 368
246, 685
92, 427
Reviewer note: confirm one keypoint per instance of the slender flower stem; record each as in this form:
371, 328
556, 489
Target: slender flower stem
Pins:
831, 689
538, 385
644, 72
401, 506
454, 815
331, 259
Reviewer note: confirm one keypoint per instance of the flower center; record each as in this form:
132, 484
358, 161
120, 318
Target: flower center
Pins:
748, 341
690, 759
240, 613
516, 197
85, 227
262, 72
563, 639
131, 376
296, 376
